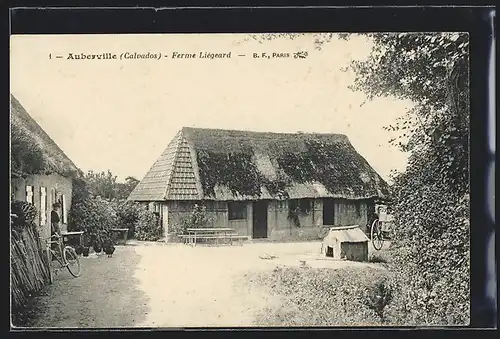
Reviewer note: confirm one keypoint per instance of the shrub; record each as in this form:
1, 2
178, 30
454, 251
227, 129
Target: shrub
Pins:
127, 213
326, 297
198, 218
93, 215
431, 257
378, 296
379, 258
147, 227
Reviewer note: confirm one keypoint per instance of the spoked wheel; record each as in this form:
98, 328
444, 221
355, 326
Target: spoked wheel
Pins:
376, 235
72, 261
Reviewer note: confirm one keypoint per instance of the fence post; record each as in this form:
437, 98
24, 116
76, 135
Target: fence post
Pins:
49, 262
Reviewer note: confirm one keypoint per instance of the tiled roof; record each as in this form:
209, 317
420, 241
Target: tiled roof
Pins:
183, 183
154, 185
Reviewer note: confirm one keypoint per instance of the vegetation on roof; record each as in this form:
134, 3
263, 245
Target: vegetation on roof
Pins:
230, 158
332, 164
26, 156
236, 171
32, 150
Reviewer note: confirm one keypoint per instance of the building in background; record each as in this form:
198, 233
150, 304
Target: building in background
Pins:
41, 173
264, 185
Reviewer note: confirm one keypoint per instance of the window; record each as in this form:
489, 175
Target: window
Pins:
53, 195
29, 194
237, 210
64, 215
282, 204
300, 206
43, 205
358, 209
156, 207
305, 206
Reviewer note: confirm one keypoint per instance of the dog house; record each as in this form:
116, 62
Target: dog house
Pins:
346, 242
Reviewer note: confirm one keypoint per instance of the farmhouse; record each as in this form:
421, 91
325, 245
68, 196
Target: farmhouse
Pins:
264, 185
40, 171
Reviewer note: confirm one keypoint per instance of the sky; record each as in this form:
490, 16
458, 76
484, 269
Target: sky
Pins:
121, 114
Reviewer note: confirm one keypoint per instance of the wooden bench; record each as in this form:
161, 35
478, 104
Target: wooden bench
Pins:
123, 233
211, 234
188, 238
66, 236
229, 237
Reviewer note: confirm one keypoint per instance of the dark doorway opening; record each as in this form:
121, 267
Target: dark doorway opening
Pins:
259, 220
328, 212
329, 251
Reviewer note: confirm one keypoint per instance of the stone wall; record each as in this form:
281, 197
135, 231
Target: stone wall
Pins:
280, 226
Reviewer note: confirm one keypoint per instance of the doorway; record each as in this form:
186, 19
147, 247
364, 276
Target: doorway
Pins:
259, 214
328, 212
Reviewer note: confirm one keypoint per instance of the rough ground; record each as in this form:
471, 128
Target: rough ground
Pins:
158, 285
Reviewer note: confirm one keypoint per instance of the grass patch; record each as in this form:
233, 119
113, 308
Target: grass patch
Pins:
326, 297
378, 258
26, 314
383, 256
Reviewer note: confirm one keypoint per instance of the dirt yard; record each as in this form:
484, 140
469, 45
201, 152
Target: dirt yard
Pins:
160, 285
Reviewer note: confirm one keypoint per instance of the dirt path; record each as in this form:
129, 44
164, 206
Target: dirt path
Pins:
158, 285
196, 287
150, 285
105, 295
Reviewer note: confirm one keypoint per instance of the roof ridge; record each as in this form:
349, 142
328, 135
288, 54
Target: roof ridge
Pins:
188, 128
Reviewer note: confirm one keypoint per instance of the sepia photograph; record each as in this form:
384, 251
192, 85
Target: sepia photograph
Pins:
239, 180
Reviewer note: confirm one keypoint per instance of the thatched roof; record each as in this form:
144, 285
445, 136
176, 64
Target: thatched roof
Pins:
216, 164
32, 150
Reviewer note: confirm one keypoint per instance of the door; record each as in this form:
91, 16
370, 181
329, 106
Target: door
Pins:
259, 220
328, 212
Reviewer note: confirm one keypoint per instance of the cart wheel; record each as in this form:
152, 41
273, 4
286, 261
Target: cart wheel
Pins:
376, 235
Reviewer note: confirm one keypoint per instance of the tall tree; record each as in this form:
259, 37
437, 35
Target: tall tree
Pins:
431, 206
105, 185
431, 70
123, 190
101, 184
431, 197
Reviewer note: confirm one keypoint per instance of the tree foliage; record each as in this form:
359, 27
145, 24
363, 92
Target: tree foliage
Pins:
105, 185
96, 207
431, 205
147, 226
432, 259
431, 70
123, 189
431, 197
198, 218
91, 214
127, 213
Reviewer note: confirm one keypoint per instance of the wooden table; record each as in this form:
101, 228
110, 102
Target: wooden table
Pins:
121, 230
193, 234
66, 235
